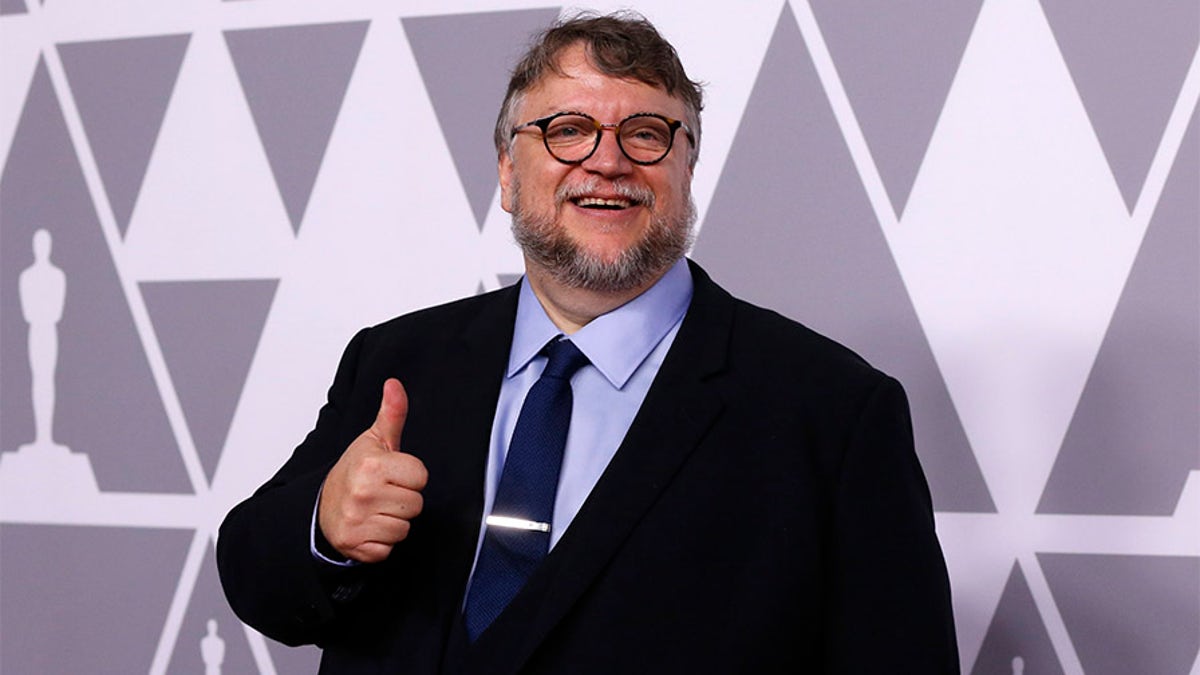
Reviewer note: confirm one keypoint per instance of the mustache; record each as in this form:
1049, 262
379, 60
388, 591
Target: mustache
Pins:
594, 185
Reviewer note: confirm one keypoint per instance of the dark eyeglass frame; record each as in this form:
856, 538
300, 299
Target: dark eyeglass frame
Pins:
673, 125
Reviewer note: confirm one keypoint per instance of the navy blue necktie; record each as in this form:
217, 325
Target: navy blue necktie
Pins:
517, 537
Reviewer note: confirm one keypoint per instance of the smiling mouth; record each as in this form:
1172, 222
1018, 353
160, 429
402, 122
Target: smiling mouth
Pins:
603, 204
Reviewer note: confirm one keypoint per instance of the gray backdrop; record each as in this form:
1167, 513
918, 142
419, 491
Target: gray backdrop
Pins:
997, 201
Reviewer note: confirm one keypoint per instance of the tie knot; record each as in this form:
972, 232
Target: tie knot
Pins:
565, 359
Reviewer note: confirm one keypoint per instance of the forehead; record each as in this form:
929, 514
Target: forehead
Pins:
581, 87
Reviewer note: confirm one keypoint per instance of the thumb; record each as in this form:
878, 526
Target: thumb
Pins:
393, 411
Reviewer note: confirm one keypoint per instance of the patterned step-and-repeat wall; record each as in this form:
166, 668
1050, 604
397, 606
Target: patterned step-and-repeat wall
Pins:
998, 201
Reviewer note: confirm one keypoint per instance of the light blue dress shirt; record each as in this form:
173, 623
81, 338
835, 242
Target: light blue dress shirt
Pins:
625, 348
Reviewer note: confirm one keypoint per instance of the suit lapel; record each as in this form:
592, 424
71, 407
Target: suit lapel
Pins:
678, 410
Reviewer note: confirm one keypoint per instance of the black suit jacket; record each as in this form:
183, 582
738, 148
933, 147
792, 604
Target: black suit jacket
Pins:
765, 513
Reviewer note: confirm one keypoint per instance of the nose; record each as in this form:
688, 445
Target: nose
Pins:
608, 160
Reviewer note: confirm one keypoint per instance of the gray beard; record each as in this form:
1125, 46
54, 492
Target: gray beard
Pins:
666, 241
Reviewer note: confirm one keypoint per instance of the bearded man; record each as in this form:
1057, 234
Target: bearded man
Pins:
613, 466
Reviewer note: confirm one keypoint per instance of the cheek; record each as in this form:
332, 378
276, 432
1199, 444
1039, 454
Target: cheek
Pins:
535, 189
677, 187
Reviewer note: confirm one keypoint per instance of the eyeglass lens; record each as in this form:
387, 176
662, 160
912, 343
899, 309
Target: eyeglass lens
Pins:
571, 138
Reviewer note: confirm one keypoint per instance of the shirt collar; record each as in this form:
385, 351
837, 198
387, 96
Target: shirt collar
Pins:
616, 343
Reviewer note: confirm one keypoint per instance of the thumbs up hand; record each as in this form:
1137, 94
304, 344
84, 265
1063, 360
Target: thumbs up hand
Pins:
374, 490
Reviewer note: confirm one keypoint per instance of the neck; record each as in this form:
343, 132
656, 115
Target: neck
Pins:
572, 308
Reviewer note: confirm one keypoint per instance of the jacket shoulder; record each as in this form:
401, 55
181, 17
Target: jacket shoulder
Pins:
796, 344
764, 338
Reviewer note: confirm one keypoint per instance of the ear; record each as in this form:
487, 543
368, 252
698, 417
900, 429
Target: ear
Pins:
504, 167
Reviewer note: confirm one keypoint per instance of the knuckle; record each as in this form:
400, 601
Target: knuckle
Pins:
370, 465
359, 494
416, 502
402, 529
419, 475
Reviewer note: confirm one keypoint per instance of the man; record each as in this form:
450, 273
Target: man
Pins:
728, 491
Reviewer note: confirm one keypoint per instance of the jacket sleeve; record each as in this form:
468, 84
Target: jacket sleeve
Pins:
890, 593
268, 572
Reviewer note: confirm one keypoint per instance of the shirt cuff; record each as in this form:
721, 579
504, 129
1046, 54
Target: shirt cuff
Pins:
313, 533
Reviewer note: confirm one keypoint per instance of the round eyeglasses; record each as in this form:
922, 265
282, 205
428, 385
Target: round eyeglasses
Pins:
571, 137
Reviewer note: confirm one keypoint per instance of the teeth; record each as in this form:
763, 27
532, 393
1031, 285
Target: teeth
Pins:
596, 201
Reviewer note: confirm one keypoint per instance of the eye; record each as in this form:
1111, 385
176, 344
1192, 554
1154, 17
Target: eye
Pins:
569, 129
649, 132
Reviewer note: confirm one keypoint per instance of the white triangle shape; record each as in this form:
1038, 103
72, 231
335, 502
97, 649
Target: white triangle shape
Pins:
1015, 247
209, 207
